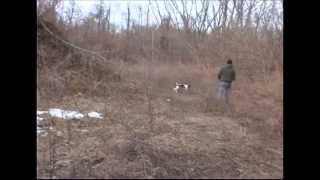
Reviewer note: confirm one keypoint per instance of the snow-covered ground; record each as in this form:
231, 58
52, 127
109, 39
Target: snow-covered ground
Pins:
95, 115
41, 112
63, 114
59, 113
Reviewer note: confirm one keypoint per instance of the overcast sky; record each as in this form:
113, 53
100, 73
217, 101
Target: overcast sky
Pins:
119, 9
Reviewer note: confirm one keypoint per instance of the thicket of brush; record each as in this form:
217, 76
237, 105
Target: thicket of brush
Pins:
138, 70
256, 51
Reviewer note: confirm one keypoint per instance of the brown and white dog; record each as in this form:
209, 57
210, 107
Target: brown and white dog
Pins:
179, 87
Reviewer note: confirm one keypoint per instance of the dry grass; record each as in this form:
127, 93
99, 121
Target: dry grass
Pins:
190, 136
148, 131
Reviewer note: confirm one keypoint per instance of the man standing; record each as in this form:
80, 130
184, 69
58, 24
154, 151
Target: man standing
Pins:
226, 75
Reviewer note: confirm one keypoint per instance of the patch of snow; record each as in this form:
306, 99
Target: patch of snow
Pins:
39, 130
43, 133
95, 115
41, 112
83, 130
40, 119
65, 114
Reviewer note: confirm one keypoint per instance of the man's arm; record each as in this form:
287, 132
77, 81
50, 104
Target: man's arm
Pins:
219, 74
233, 75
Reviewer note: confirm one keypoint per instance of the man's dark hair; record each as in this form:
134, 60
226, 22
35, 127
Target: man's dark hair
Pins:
229, 61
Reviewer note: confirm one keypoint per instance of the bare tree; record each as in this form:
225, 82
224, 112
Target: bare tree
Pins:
99, 15
48, 9
70, 12
240, 9
267, 16
155, 17
234, 5
251, 5
140, 18
185, 16
201, 19
159, 11
107, 18
128, 20
259, 14
215, 22
224, 12
171, 13
147, 23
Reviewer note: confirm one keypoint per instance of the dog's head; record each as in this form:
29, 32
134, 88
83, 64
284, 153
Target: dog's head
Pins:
186, 86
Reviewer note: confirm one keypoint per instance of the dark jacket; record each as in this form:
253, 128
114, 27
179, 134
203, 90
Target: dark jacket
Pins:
227, 73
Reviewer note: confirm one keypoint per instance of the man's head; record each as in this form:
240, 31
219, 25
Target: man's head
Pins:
229, 61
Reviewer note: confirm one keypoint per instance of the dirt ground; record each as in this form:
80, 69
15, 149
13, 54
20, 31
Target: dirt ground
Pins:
155, 133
